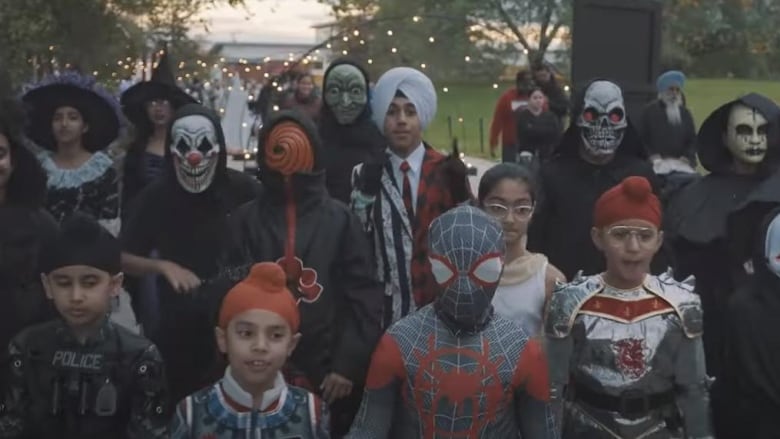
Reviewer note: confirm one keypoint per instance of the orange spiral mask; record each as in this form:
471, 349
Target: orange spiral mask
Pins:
288, 149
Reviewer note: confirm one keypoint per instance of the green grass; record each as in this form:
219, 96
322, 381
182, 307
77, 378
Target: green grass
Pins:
470, 102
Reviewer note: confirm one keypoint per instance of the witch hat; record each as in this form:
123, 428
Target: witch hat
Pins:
162, 85
97, 106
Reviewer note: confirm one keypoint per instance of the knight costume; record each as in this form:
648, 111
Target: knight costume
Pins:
455, 368
628, 363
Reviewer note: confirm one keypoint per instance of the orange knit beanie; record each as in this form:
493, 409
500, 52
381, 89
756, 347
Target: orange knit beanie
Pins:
265, 288
633, 198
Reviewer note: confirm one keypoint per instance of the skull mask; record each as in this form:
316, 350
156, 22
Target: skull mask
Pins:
746, 134
195, 151
603, 120
466, 255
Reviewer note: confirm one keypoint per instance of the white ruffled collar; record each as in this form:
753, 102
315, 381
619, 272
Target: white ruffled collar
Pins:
241, 397
92, 169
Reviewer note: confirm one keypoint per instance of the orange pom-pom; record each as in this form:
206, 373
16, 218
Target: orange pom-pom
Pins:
264, 288
268, 277
637, 188
633, 198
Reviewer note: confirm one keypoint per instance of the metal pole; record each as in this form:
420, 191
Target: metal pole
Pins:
463, 131
482, 135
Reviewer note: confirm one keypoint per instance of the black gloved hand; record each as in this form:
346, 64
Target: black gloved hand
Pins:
457, 175
371, 174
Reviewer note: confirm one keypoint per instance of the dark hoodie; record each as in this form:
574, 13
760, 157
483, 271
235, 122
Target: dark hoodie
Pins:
746, 397
341, 308
190, 230
569, 188
344, 146
696, 220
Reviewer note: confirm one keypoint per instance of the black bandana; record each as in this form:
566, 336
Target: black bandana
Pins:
81, 241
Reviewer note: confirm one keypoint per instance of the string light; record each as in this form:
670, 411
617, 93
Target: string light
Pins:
467, 58
394, 50
422, 66
389, 33
431, 40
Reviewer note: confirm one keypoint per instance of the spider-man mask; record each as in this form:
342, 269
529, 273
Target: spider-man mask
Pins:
466, 251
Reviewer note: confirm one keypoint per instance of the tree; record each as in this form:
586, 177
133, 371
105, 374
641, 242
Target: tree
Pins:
38, 36
450, 38
722, 37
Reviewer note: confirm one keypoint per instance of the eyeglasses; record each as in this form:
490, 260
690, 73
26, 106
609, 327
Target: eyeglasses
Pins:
621, 235
500, 211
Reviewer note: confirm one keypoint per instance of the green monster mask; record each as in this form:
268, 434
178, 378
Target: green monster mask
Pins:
346, 93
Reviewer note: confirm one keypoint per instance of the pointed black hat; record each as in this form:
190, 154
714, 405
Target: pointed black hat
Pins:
162, 85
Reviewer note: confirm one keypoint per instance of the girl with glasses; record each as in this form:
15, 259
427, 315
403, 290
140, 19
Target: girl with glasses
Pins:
506, 192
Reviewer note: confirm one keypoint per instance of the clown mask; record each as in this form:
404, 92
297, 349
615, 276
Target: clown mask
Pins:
195, 151
746, 134
603, 119
346, 93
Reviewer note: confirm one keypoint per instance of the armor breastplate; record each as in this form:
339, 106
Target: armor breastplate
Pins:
625, 343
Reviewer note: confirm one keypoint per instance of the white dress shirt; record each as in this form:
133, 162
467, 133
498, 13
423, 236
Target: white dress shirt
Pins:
415, 160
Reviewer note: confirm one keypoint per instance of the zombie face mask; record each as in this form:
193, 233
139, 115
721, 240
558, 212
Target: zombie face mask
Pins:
195, 151
746, 134
772, 246
466, 254
603, 119
346, 93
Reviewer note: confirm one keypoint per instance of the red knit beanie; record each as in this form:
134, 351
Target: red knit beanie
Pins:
631, 199
265, 288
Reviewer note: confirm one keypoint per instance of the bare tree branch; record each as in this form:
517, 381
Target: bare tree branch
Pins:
512, 25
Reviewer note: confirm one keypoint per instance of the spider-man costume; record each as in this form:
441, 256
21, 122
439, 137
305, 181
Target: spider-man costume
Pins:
454, 369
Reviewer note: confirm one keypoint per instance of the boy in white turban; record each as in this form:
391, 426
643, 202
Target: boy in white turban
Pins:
401, 191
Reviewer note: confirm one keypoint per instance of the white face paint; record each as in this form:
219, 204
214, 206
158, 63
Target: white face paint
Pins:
195, 151
603, 120
746, 134
772, 246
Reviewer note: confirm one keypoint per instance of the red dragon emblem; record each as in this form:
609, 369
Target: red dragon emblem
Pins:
630, 357
308, 289
457, 391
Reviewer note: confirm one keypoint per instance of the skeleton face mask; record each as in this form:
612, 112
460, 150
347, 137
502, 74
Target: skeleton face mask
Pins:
195, 151
466, 256
746, 134
772, 246
346, 93
603, 119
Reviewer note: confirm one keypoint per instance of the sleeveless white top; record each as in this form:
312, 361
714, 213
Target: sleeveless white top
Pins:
524, 302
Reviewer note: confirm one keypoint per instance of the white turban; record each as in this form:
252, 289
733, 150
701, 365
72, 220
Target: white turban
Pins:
417, 87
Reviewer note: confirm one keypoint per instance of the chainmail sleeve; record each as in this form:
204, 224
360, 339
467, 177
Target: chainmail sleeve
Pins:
693, 394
